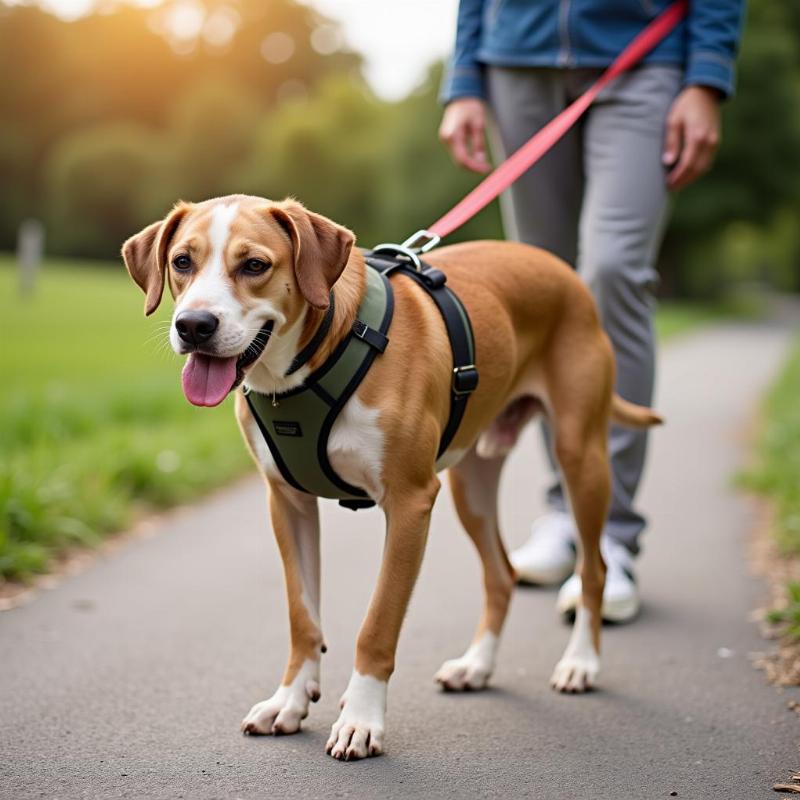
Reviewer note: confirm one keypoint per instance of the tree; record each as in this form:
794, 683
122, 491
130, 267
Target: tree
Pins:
100, 183
756, 177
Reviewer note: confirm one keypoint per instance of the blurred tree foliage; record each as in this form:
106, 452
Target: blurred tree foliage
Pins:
107, 120
741, 220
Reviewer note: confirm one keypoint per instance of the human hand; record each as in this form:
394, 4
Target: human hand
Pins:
463, 131
692, 135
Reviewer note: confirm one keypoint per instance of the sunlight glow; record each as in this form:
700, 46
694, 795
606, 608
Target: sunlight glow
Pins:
277, 47
73, 9
398, 40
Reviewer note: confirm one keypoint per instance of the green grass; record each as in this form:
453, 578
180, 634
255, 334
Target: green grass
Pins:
678, 318
776, 475
788, 618
777, 470
95, 428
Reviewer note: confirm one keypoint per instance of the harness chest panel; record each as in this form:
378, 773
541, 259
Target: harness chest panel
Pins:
296, 425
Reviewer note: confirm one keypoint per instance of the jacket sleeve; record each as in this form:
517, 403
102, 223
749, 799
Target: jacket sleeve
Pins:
714, 29
464, 75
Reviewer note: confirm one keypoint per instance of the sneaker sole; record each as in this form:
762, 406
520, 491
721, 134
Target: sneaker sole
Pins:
531, 577
613, 611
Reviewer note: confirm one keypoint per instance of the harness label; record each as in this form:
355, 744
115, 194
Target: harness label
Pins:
287, 428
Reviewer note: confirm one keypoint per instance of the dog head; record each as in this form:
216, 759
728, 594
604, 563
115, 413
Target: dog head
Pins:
241, 269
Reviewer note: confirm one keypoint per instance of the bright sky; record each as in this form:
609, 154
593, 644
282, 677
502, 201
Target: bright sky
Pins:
398, 39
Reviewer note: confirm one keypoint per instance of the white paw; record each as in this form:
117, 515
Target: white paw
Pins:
284, 711
358, 733
472, 670
575, 674
578, 668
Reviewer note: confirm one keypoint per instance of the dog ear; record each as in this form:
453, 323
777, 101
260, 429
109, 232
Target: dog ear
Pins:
145, 255
321, 249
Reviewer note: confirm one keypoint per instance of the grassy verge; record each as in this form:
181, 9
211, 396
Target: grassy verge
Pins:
677, 318
95, 429
775, 476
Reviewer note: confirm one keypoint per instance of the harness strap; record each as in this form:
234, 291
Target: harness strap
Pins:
297, 424
374, 338
305, 355
459, 332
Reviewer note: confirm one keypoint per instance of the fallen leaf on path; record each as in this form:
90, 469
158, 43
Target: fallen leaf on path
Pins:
794, 788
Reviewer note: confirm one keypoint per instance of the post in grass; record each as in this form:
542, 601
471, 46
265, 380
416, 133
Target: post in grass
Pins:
30, 249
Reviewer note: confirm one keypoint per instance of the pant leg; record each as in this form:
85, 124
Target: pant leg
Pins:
542, 207
621, 227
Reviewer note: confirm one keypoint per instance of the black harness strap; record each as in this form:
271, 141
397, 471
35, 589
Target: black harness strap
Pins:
305, 415
305, 355
459, 332
312, 408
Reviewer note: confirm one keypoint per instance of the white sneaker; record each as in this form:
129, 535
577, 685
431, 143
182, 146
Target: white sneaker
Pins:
549, 554
620, 596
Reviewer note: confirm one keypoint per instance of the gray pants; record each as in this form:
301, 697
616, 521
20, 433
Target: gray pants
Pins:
598, 199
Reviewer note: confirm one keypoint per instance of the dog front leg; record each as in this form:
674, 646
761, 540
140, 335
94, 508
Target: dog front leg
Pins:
295, 521
359, 731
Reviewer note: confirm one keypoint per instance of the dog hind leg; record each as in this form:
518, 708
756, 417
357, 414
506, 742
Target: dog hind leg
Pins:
582, 454
474, 483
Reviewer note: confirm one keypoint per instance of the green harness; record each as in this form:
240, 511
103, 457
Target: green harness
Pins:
296, 425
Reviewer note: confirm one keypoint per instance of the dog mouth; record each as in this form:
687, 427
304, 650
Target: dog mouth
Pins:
208, 379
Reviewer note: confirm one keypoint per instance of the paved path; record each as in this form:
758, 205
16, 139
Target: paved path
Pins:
130, 680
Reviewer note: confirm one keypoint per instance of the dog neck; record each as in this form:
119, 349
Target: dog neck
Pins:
268, 375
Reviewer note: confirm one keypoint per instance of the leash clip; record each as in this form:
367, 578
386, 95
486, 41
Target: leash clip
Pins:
421, 241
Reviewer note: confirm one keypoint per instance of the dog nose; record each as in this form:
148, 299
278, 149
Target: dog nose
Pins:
196, 327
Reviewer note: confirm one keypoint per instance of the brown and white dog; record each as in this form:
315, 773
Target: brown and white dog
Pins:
237, 262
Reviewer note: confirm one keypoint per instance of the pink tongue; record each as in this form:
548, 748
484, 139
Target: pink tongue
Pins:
207, 380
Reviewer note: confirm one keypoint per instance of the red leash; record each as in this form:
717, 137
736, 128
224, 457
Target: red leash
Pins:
527, 155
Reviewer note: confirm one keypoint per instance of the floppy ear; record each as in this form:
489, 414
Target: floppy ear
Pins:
321, 249
145, 255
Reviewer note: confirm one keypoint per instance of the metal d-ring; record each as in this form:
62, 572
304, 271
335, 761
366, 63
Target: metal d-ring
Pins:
420, 242
399, 250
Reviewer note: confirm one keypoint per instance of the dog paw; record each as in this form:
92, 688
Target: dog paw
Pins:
462, 674
473, 670
284, 711
358, 733
578, 668
575, 674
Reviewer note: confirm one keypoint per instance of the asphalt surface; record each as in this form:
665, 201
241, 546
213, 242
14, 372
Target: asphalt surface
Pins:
130, 680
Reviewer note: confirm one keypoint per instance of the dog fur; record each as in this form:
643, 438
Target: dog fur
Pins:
540, 348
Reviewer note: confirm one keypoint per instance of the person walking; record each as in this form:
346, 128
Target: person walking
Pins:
598, 199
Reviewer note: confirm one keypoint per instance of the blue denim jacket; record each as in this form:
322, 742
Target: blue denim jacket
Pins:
589, 33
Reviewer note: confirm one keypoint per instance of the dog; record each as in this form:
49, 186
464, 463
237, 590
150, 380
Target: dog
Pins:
237, 263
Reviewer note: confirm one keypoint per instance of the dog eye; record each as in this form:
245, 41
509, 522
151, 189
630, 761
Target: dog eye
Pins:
182, 263
255, 266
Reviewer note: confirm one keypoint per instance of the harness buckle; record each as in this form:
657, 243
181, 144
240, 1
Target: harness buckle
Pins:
465, 379
372, 337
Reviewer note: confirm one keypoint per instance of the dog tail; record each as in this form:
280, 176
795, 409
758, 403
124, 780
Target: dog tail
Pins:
632, 416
